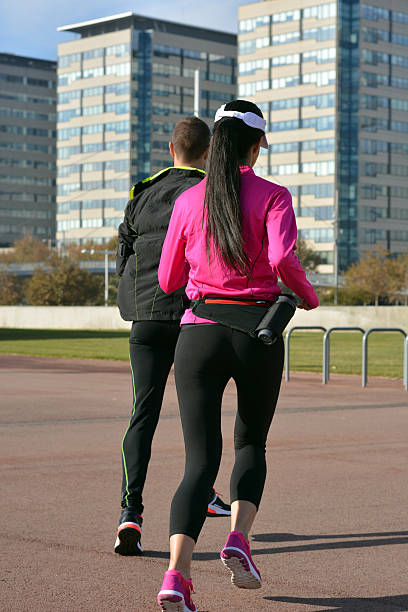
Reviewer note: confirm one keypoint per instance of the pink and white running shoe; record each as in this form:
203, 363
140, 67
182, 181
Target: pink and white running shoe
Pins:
175, 594
236, 556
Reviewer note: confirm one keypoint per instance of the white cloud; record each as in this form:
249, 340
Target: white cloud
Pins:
29, 28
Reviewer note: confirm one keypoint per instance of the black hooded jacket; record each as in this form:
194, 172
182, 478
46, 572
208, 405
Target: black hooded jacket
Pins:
141, 237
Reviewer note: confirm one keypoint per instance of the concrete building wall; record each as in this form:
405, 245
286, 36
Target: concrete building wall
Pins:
100, 317
280, 75
94, 209
27, 148
366, 56
156, 76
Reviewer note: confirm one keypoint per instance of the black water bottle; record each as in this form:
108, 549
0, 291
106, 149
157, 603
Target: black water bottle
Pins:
276, 319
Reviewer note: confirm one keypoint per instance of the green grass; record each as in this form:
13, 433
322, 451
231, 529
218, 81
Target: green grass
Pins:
80, 344
385, 350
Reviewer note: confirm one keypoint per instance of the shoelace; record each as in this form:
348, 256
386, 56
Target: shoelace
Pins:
190, 586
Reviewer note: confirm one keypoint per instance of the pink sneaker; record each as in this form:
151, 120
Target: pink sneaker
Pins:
175, 594
236, 556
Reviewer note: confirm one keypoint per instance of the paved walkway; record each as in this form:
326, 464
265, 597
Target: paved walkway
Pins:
331, 533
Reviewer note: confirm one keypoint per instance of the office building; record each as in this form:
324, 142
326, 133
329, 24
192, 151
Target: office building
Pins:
122, 85
27, 148
332, 80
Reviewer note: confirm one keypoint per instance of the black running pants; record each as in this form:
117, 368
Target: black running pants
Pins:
151, 349
207, 357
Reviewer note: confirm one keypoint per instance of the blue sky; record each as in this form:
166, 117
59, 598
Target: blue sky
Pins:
28, 27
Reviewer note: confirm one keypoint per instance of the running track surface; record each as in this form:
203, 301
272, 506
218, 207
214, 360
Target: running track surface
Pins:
331, 534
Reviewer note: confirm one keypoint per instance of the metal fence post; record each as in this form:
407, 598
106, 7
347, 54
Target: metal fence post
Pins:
364, 359
365, 352
287, 345
287, 354
326, 349
326, 356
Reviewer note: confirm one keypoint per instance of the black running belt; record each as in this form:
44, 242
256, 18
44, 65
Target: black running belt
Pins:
242, 315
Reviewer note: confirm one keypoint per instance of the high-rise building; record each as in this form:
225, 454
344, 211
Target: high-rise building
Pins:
27, 148
122, 86
332, 80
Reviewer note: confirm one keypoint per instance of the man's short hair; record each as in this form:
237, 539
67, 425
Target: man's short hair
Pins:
190, 138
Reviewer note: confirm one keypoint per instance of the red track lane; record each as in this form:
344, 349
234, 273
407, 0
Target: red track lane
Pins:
331, 534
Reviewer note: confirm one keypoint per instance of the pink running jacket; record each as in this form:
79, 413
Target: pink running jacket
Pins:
269, 231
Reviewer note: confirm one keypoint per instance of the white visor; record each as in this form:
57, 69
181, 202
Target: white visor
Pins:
251, 119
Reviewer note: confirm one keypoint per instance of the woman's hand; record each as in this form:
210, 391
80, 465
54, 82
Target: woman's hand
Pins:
304, 305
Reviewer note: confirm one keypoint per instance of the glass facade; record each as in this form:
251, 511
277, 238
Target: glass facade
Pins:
27, 148
348, 67
142, 43
360, 77
115, 130
296, 52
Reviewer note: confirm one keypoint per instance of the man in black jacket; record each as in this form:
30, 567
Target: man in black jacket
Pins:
155, 315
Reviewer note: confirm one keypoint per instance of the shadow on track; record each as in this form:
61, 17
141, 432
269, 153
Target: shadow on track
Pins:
371, 539
392, 603
294, 537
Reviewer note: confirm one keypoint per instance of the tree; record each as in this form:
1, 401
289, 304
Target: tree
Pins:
400, 275
66, 285
374, 277
10, 293
309, 258
28, 248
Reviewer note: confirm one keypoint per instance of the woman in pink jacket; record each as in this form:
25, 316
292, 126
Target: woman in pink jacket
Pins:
230, 236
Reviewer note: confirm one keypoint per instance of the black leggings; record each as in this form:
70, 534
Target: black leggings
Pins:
151, 350
207, 356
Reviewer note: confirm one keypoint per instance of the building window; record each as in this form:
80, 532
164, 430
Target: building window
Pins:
66, 60
374, 13
282, 39
320, 34
92, 54
120, 50
281, 126
321, 11
321, 79
286, 16
318, 234
323, 190
66, 78
320, 213
283, 60
95, 222
249, 89
11, 78
118, 69
285, 169
320, 56
324, 168
249, 25
400, 17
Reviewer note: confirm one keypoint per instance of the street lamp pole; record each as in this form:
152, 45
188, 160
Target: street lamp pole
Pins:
336, 247
197, 93
106, 253
106, 276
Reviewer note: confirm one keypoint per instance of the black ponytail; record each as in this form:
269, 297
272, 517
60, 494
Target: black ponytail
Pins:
230, 145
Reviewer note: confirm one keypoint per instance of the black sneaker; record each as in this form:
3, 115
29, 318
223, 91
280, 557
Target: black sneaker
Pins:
217, 507
129, 533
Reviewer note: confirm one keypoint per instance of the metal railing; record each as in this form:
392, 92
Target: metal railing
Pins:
326, 349
287, 344
365, 352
